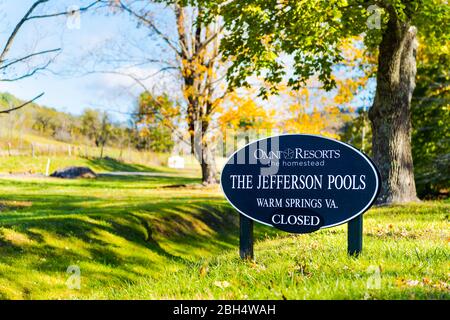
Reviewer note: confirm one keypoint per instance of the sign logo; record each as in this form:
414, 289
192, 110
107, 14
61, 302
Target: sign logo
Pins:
300, 183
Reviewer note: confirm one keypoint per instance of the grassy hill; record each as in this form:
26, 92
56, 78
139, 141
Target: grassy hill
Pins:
149, 238
25, 146
164, 236
29, 153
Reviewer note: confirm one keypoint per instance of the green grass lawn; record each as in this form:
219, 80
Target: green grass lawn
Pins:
145, 238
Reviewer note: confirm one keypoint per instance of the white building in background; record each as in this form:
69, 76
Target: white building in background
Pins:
176, 162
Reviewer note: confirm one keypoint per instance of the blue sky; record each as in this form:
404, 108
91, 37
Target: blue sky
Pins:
66, 87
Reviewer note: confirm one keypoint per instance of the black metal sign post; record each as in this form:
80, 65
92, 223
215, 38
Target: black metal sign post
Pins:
245, 237
355, 236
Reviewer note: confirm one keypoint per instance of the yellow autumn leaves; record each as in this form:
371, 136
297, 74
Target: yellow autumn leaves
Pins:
292, 111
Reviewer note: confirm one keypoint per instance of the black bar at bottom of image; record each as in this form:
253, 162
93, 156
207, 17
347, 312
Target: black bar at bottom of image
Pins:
217, 309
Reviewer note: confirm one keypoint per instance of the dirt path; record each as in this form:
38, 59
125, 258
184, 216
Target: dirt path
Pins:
140, 173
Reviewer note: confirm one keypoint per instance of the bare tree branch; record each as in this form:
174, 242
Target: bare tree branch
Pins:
22, 105
14, 33
28, 57
29, 74
4, 64
138, 80
152, 25
206, 42
65, 13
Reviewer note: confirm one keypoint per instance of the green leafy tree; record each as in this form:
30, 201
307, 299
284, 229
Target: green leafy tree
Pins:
90, 124
42, 122
431, 118
97, 127
259, 31
104, 134
122, 136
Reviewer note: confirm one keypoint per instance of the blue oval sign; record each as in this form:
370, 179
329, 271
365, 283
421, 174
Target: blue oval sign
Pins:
300, 183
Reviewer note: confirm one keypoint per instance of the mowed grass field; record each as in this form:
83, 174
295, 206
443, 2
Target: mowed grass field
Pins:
161, 237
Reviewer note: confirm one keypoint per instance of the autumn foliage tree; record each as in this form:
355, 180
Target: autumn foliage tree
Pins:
193, 42
313, 110
244, 114
301, 113
155, 118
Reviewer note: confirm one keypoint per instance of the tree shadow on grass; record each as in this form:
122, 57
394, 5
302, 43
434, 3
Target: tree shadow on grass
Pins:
84, 218
127, 182
54, 244
177, 219
126, 237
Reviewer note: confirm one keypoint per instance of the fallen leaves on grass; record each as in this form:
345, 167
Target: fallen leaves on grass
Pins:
412, 283
258, 267
301, 270
203, 270
392, 231
14, 205
222, 284
401, 282
13, 237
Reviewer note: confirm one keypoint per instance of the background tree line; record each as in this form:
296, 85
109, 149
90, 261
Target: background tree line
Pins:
92, 127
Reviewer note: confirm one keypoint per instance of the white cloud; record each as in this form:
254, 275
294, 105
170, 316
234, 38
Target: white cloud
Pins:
134, 79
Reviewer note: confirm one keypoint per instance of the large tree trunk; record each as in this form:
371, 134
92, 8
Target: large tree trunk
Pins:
208, 165
390, 113
205, 154
197, 86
